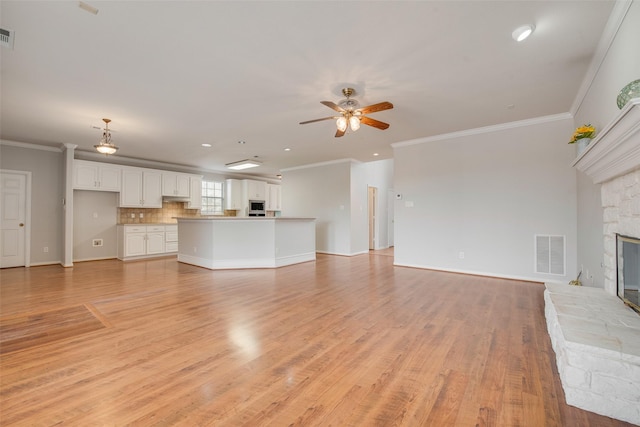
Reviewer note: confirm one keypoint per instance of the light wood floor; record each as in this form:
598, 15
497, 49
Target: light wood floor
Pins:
343, 341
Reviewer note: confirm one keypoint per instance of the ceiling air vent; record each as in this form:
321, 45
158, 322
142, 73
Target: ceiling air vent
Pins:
6, 38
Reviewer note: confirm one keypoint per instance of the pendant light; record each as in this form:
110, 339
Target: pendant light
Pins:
105, 146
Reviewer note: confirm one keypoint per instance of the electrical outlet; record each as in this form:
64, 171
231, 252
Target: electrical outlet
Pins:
461, 255
45, 249
97, 242
141, 215
133, 215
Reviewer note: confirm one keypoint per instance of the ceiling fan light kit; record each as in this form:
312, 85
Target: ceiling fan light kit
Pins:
352, 115
354, 123
243, 164
105, 146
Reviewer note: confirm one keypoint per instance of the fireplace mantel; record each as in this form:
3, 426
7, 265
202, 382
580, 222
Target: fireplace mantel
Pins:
615, 151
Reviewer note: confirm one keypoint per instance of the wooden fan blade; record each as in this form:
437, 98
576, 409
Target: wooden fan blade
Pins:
318, 120
333, 106
376, 107
339, 133
375, 123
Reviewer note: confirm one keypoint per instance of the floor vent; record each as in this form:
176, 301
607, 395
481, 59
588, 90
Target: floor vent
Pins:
6, 38
550, 254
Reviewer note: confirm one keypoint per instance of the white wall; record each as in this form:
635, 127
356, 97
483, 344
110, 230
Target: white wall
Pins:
95, 215
621, 65
486, 195
322, 192
336, 193
359, 210
47, 193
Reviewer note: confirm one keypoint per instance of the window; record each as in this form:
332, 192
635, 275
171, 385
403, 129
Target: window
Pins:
212, 198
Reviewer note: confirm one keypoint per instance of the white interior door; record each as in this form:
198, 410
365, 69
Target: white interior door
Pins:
13, 208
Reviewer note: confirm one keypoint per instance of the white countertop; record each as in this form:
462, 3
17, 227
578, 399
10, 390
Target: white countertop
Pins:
242, 218
141, 224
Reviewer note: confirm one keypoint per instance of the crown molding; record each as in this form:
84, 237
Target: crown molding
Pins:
620, 9
31, 146
483, 130
315, 165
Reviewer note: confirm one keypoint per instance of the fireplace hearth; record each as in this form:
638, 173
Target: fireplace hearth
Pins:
595, 336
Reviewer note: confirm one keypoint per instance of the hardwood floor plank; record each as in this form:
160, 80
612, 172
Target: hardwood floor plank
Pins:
343, 341
33, 329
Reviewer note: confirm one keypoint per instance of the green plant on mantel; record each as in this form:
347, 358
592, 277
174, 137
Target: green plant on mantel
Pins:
584, 131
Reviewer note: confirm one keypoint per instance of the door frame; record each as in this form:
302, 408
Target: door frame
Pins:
372, 203
27, 213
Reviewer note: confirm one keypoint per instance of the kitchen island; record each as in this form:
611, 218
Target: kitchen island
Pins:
254, 242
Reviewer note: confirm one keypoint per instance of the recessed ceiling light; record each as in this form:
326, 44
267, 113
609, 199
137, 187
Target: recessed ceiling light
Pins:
206, 145
521, 33
376, 154
287, 149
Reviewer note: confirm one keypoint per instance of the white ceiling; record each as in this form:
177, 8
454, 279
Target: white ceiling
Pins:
175, 74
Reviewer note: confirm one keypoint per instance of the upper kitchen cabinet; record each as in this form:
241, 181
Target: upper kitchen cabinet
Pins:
274, 197
233, 194
255, 190
141, 188
195, 195
175, 184
96, 176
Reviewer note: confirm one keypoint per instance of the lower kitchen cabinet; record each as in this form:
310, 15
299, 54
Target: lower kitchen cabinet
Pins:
171, 238
142, 241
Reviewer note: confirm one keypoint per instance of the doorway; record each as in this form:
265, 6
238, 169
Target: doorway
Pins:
15, 196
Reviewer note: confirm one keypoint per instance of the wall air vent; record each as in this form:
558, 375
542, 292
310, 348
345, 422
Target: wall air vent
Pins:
6, 38
550, 254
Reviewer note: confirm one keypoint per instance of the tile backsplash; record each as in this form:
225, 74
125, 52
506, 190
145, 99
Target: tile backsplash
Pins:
166, 214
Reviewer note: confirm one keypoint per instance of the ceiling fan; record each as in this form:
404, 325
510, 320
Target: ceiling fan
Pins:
352, 115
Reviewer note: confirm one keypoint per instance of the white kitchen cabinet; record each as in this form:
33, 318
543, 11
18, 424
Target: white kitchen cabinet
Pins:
96, 176
175, 184
171, 238
141, 188
155, 240
142, 240
233, 194
274, 197
195, 193
254, 190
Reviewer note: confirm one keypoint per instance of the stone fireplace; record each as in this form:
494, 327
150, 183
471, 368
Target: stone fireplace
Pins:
595, 336
628, 251
621, 203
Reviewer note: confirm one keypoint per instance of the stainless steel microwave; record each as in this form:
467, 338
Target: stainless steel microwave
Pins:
256, 208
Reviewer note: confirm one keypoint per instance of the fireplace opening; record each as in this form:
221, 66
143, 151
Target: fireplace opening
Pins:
628, 254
